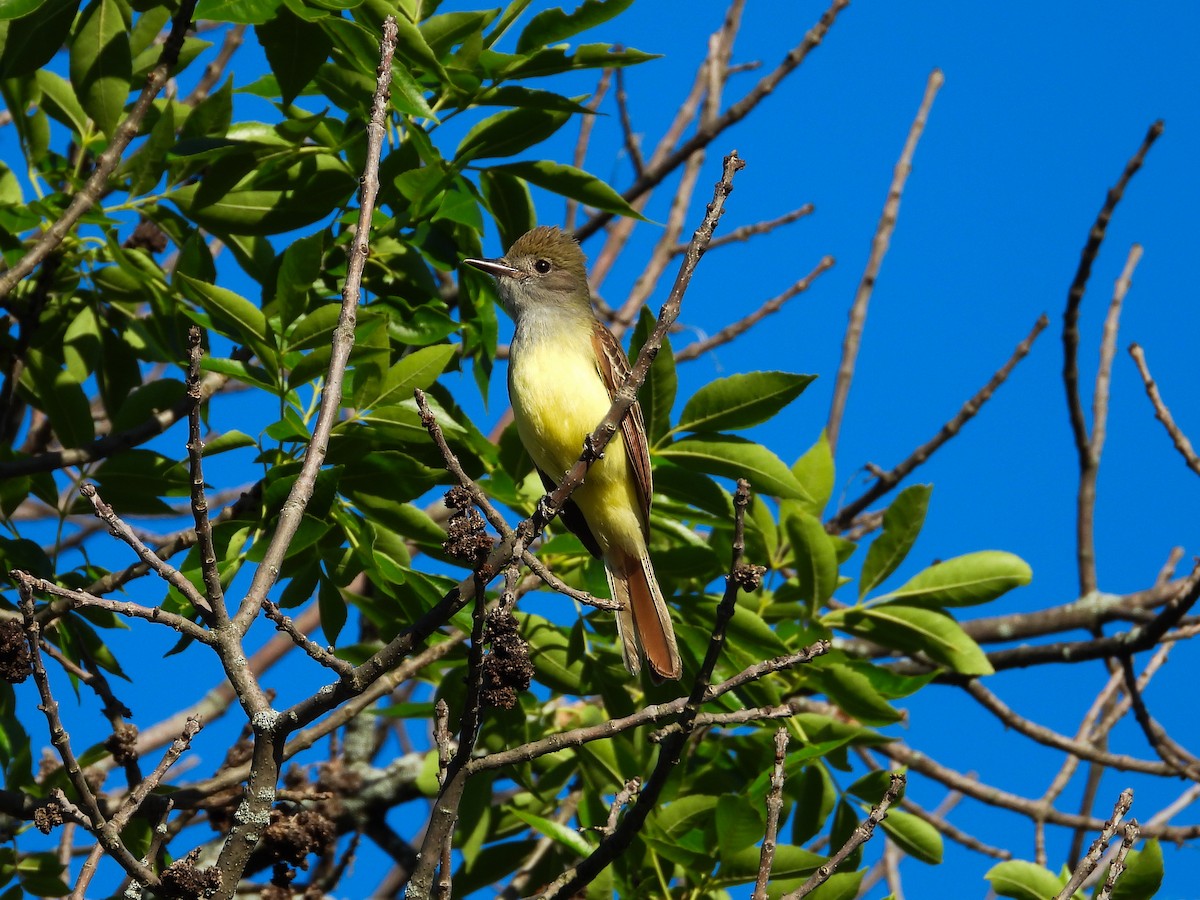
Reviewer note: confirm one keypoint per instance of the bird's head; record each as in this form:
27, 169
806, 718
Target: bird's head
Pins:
544, 268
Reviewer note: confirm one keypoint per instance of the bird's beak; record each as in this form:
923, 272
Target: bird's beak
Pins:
497, 268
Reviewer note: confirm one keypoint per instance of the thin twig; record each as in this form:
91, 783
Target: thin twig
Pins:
314, 650
439, 832
657, 171
879, 248
766, 856
858, 837
215, 69
1117, 866
107, 162
745, 232
1076, 748
741, 326
82, 600
1162, 413
885, 482
107, 836
195, 448
1089, 863
292, 512
110, 444
118, 528
1070, 339
632, 146
1089, 466
586, 123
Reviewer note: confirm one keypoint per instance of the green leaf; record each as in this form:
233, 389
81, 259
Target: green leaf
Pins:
237, 12
575, 183
101, 64
14, 9
61, 397
238, 314
146, 167
295, 50
739, 822
411, 45
736, 457
657, 395
853, 693
259, 212
814, 554
741, 401
790, 862
914, 836
299, 268
33, 40
333, 610
553, 25
551, 656
508, 133
915, 629
815, 470
568, 837
146, 401
419, 369
60, 102
965, 580
1143, 873
230, 440
901, 524
1023, 880
510, 203
815, 796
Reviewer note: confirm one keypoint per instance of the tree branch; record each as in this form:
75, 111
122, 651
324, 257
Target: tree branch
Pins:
879, 248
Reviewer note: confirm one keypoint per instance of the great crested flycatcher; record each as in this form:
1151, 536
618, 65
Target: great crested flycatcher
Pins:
563, 369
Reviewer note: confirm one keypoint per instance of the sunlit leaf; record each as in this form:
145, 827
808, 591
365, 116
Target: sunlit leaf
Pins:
741, 401
901, 524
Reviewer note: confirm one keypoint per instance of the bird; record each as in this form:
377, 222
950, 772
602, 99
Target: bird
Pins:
564, 367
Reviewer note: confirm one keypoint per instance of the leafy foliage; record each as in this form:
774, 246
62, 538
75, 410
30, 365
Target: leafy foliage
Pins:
95, 364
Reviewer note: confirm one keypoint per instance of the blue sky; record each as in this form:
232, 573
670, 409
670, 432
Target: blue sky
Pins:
1042, 106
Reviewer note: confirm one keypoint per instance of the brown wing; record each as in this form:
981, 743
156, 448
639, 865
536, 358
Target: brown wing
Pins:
614, 367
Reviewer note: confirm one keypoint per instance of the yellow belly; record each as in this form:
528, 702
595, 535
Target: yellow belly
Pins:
558, 399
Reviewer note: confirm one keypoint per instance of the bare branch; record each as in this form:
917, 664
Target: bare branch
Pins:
1089, 467
1070, 336
1117, 867
741, 326
766, 855
657, 171
1178, 438
108, 445
199, 504
740, 577
118, 528
586, 123
860, 836
292, 513
879, 248
1088, 864
886, 481
215, 69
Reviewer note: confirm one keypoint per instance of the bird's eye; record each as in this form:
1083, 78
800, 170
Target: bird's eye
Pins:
542, 266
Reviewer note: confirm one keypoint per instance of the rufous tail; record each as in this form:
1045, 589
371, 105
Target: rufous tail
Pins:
644, 621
